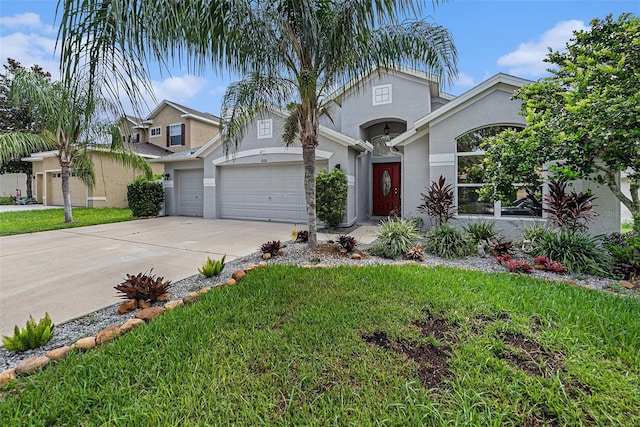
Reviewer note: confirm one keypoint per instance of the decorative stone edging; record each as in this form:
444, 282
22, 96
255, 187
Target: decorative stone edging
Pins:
37, 363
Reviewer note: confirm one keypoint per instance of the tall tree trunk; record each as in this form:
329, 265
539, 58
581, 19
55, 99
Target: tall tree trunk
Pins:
309, 160
66, 191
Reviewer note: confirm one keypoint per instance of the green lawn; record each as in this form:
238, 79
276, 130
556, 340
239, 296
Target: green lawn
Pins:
53, 219
357, 346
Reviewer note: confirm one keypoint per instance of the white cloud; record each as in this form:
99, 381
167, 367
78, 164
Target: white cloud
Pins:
218, 90
30, 49
527, 60
464, 81
27, 20
178, 89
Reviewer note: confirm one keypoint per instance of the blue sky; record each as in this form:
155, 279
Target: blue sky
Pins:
510, 36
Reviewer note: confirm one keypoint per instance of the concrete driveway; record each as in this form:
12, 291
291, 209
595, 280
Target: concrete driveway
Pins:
69, 273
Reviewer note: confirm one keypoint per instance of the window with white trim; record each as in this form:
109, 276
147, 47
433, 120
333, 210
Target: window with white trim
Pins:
134, 138
470, 178
382, 94
175, 134
265, 129
157, 131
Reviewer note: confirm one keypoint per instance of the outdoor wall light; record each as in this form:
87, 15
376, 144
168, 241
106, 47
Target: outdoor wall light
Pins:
337, 165
386, 129
167, 175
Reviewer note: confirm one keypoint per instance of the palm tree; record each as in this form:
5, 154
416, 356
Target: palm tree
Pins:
291, 53
69, 117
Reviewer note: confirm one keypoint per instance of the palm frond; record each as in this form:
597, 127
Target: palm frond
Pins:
83, 169
18, 144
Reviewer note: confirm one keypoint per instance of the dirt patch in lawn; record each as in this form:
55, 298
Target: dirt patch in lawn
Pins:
530, 356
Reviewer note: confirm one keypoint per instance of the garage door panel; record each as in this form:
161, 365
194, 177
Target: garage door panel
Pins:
190, 192
264, 192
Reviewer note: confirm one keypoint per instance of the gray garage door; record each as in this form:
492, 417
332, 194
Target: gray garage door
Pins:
190, 192
272, 192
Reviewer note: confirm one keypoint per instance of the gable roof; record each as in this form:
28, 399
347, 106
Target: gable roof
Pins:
187, 112
146, 149
494, 83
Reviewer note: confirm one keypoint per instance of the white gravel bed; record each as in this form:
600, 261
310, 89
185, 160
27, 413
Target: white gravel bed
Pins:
295, 254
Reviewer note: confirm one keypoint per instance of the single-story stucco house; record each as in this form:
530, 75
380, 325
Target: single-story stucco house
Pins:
392, 135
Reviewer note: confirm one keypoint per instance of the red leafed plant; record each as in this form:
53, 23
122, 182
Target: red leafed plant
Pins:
503, 258
271, 247
541, 260
438, 202
516, 266
555, 266
347, 242
143, 287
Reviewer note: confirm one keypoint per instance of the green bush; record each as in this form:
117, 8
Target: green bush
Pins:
33, 336
7, 200
481, 231
145, 197
212, 267
579, 252
447, 241
395, 238
331, 197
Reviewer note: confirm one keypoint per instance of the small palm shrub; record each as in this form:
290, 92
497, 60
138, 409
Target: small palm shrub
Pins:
438, 202
347, 242
578, 252
395, 237
33, 336
481, 231
448, 242
143, 287
212, 267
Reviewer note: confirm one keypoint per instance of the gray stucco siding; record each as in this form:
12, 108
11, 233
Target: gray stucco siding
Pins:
410, 101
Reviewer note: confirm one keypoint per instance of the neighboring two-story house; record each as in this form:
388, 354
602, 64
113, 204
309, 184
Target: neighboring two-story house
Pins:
392, 136
169, 128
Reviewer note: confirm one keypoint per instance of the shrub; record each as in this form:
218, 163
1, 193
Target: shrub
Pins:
448, 242
212, 267
33, 336
271, 247
395, 237
302, 236
347, 242
531, 234
331, 197
7, 200
568, 210
145, 197
626, 257
577, 251
481, 231
143, 287
438, 202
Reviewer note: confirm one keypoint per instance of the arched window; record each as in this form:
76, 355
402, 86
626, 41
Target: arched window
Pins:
470, 178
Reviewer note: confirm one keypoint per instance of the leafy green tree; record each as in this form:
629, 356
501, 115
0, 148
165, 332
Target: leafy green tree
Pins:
71, 115
290, 53
17, 117
583, 120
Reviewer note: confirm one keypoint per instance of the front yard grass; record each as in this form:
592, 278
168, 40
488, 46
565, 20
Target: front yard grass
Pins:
389, 345
20, 222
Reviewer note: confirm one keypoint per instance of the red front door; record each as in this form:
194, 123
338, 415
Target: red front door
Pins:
386, 188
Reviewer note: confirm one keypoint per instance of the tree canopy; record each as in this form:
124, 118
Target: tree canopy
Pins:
583, 120
290, 53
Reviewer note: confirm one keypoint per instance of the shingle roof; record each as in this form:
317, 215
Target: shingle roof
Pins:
145, 148
195, 112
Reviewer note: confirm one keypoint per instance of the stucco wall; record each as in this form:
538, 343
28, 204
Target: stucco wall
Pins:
410, 100
9, 182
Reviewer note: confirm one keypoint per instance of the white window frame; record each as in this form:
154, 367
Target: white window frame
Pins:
134, 138
382, 94
152, 131
171, 134
265, 129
